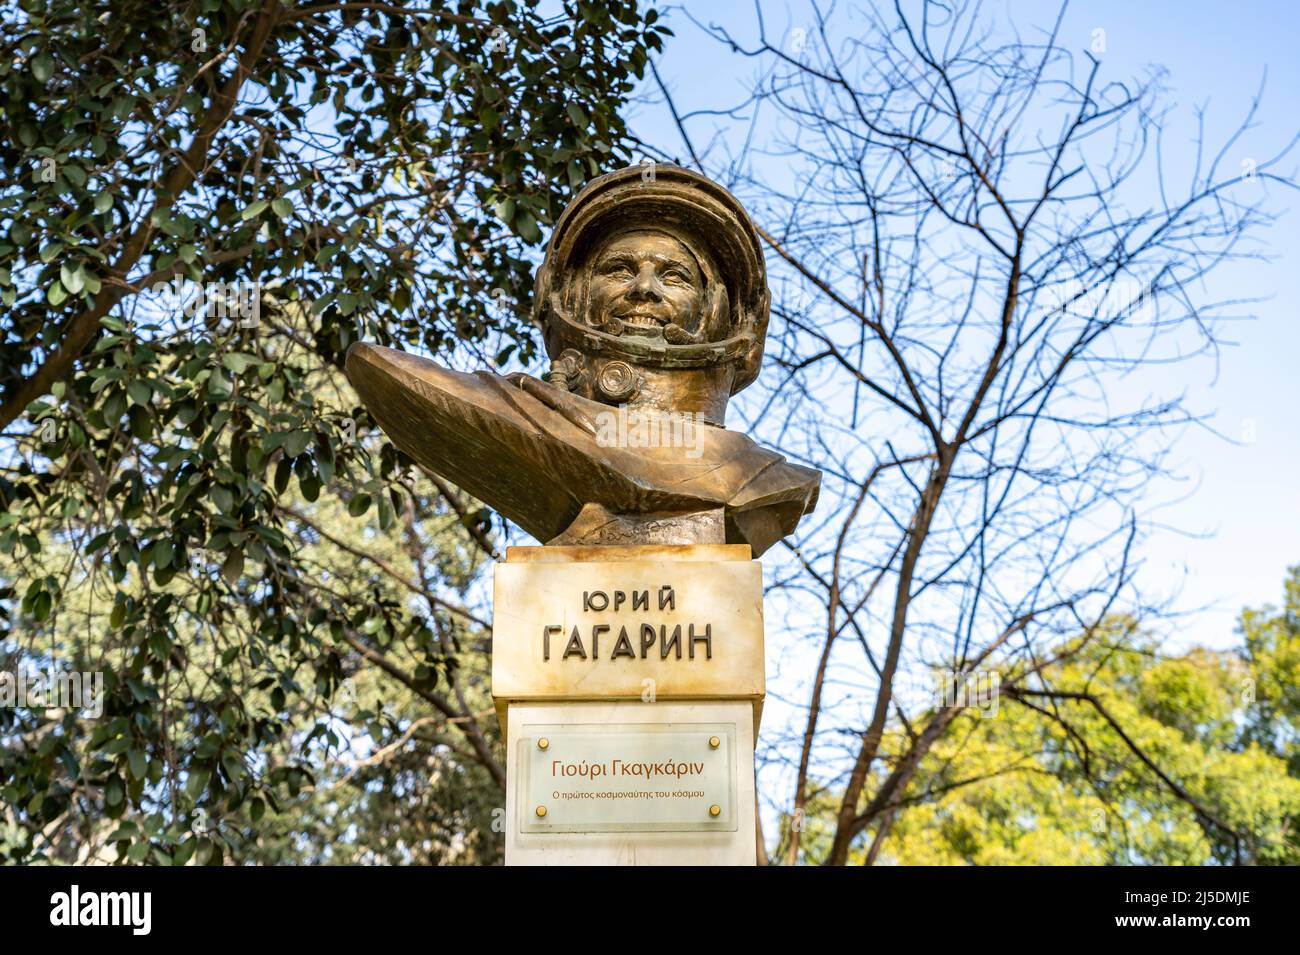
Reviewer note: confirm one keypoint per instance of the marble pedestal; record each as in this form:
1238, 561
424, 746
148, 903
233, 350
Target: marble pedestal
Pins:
629, 683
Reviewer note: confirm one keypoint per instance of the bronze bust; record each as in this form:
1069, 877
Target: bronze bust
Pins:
653, 303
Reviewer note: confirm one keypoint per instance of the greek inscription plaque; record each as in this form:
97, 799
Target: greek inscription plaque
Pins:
628, 777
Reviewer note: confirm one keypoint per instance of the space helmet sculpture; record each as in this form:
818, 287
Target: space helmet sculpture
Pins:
654, 291
653, 304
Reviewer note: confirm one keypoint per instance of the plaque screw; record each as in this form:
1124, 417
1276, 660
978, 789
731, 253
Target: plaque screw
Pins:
541, 811
714, 743
542, 744
714, 810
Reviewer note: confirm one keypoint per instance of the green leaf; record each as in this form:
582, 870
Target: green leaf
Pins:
98, 541
254, 209
282, 473
233, 765
42, 67
223, 498
197, 782
296, 443
139, 391
219, 385
139, 763
72, 276
310, 487
237, 361
233, 567
114, 407
526, 227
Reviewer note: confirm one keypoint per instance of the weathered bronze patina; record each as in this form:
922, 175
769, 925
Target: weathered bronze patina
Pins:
653, 303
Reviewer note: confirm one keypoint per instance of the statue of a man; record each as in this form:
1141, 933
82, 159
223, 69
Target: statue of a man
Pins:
653, 303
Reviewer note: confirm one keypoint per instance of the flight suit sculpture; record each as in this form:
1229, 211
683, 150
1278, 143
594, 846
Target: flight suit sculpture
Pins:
653, 304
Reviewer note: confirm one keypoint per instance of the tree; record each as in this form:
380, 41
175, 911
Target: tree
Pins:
360, 769
1272, 647
976, 244
1062, 786
184, 476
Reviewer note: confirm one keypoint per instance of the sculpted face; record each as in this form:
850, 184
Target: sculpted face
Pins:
647, 281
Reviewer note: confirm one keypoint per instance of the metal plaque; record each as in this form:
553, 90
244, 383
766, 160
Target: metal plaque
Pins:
628, 777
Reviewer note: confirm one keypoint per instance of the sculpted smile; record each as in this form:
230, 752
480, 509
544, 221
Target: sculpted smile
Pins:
643, 318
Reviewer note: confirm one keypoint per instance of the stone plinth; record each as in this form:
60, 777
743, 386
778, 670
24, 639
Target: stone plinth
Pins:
629, 682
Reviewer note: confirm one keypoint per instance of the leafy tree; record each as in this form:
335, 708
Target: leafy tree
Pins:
1056, 782
193, 502
1272, 645
336, 730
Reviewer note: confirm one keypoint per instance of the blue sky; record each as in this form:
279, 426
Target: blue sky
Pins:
1231, 526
